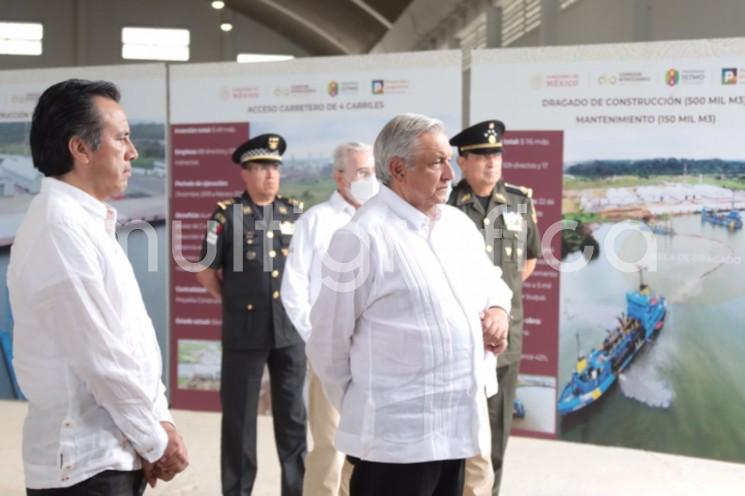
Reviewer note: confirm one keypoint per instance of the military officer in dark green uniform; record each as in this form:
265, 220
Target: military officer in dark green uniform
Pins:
505, 214
244, 252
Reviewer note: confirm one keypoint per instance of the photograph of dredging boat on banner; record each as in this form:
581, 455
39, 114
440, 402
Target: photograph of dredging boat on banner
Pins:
652, 291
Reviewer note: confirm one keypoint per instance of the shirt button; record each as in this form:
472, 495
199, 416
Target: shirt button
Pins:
275, 273
275, 295
270, 234
486, 222
150, 450
272, 253
65, 478
249, 307
489, 248
68, 424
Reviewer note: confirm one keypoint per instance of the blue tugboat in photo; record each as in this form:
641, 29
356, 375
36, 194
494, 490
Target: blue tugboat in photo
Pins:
731, 220
518, 409
596, 372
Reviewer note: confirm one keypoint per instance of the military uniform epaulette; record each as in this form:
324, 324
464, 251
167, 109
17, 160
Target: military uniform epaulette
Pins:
222, 206
225, 203
461, 193
519, 190
526, 192
296, 205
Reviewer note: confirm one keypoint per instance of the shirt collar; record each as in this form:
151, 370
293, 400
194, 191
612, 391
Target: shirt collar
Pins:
93, 206
417, 219
88, 202
340, 204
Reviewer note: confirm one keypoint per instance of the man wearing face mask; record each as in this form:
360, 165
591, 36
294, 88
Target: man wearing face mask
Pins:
354, 173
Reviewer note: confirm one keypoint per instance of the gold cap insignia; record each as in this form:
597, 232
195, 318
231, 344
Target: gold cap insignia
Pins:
273, 142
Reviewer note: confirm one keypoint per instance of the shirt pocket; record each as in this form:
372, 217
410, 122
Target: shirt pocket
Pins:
509, 252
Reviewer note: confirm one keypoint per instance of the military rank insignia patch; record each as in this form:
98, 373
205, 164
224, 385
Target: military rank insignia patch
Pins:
513, 221
287, 228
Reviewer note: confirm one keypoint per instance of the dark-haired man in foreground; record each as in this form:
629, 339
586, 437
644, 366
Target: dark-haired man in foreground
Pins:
86, 352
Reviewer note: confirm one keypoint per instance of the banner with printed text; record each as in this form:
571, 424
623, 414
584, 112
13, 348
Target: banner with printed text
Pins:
315, 104
633, 332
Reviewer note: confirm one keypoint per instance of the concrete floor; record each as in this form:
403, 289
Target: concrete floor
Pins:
533, 467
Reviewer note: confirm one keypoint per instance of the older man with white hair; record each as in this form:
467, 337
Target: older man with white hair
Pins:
409, 309
354, 174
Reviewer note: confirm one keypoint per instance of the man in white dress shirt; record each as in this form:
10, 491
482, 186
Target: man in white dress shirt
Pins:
86, 353
326, 474
409, 308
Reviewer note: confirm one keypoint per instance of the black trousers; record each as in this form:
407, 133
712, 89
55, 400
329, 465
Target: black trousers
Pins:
107, 483
239, 393
438, 478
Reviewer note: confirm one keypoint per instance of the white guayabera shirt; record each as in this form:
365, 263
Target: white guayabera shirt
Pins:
301, 279
86, 353
396, 333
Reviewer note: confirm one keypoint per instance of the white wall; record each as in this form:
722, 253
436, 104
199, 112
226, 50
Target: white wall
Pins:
585, 22
88, 32
697, 19
595, 21
610, 21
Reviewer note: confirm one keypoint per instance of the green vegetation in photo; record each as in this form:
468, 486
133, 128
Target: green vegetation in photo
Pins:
657, 167
577, 237
144, 163
309, 191
15, 149
582, 217
575, 183
188, 350
148, 131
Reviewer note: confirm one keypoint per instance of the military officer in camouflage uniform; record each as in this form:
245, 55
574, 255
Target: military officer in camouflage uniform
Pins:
506, 216
244, 251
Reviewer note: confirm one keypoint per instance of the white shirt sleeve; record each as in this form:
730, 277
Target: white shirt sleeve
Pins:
295, 290
77, 304
161, 405
498, 294
335, 312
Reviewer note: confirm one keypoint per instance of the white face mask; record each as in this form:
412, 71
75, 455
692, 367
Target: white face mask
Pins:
364, 189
